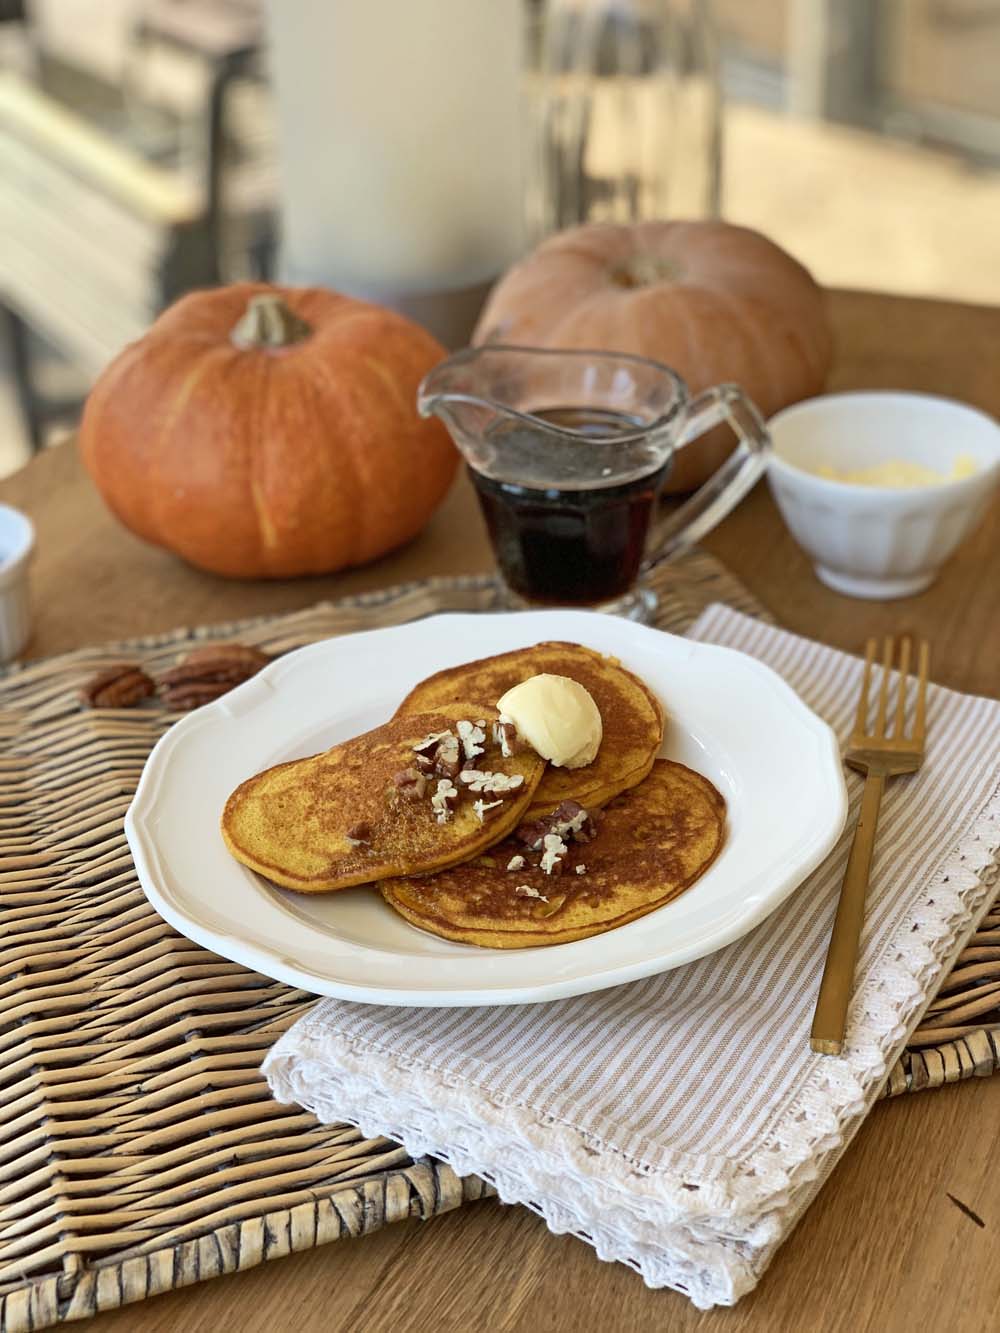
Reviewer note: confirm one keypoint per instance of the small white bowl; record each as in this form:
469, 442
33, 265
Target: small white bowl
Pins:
881, 541
17, 540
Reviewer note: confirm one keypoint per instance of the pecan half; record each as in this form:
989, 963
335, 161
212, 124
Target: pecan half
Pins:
120, 686
209, 672
182, 698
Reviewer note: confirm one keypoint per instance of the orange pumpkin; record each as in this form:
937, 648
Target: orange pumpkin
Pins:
267, 432
715, 302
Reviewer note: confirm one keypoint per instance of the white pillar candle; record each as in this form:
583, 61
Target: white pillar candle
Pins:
400, 139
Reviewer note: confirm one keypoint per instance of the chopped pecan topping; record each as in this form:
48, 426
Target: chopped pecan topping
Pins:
443, 751
570, 817
481, 806
120, 686
411, 783
471, 737
505, 735
581, 869
567, 820
516, 863
526, 891
483, 780
447, 759
360, 834
441, 801
532, 834
430, 742
208, 672
553, 854
439, 753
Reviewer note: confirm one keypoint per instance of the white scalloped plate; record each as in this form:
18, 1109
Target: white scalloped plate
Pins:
729, 717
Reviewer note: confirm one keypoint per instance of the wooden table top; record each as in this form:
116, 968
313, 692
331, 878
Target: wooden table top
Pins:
886, 1243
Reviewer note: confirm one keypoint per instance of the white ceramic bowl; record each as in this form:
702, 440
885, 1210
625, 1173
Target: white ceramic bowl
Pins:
881, 541
17, 540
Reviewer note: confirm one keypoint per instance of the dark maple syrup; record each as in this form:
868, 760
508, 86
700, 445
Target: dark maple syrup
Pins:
578, 543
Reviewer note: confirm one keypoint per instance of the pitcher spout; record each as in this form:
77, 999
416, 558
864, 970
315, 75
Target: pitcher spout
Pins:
503, 405
467, 393
455, 388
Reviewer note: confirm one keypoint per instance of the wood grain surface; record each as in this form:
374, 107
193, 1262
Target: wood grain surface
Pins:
884, 1247
906, 1230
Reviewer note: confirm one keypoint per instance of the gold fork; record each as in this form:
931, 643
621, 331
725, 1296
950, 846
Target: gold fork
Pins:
878, 756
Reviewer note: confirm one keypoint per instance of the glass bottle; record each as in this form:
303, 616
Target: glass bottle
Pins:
626, 112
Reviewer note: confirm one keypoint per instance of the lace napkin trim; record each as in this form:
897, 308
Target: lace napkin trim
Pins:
696, 1224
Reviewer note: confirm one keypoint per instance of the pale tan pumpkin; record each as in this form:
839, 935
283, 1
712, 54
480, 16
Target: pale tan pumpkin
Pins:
268, 432
714, 301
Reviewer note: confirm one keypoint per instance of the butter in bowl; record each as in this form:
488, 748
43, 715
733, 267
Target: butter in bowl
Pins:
879, 488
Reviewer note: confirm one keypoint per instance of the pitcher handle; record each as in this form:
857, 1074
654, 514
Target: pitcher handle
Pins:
727, 486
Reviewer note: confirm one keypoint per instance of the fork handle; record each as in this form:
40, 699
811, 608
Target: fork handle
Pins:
830, 1018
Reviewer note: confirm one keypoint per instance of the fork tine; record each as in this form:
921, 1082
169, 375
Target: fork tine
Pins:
883, 694
861, 718
904, 673
922, 674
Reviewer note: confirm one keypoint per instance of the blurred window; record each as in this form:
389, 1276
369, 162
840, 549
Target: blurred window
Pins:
864, 135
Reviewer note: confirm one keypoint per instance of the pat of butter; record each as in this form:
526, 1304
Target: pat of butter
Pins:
557, 717
898, 472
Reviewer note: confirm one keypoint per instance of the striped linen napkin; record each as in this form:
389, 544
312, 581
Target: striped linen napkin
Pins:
681, 1124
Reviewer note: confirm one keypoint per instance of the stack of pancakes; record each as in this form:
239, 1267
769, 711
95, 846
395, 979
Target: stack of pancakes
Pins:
661, 824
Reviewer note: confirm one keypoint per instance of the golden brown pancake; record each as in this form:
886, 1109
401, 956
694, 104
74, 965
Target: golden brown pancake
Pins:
630, 713
652, 843
293, 823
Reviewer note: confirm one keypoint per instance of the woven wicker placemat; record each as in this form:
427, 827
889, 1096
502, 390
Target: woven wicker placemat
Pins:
140, 1148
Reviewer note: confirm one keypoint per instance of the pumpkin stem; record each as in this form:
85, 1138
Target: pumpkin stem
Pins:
643, 270
268, 322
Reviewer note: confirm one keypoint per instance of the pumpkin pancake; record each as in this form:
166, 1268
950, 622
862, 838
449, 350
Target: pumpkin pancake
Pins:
631, 715
652, 843
339, 818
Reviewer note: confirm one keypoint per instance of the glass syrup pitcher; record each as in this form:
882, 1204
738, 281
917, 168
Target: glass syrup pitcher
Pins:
568, 451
